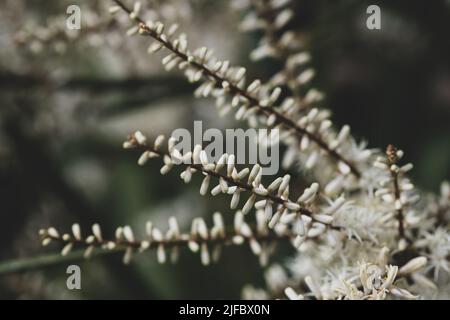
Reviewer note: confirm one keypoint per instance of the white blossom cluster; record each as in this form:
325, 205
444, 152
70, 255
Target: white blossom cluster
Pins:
367, 281
361, 229
370, 234
271, 17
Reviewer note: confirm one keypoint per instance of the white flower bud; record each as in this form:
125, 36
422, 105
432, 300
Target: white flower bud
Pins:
413, 265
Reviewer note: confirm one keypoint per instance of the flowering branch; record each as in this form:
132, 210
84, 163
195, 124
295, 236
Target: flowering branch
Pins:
220, 83
306, 222
199, 239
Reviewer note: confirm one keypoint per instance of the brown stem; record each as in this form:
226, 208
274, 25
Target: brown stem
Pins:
401, 228
391, 153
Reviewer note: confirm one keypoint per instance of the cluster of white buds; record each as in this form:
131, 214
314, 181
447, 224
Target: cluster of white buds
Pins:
311, 134
57, 37
397, 191
208, 242
271, 17
274, 198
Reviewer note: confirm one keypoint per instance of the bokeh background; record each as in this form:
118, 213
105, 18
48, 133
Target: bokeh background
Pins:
68, 99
